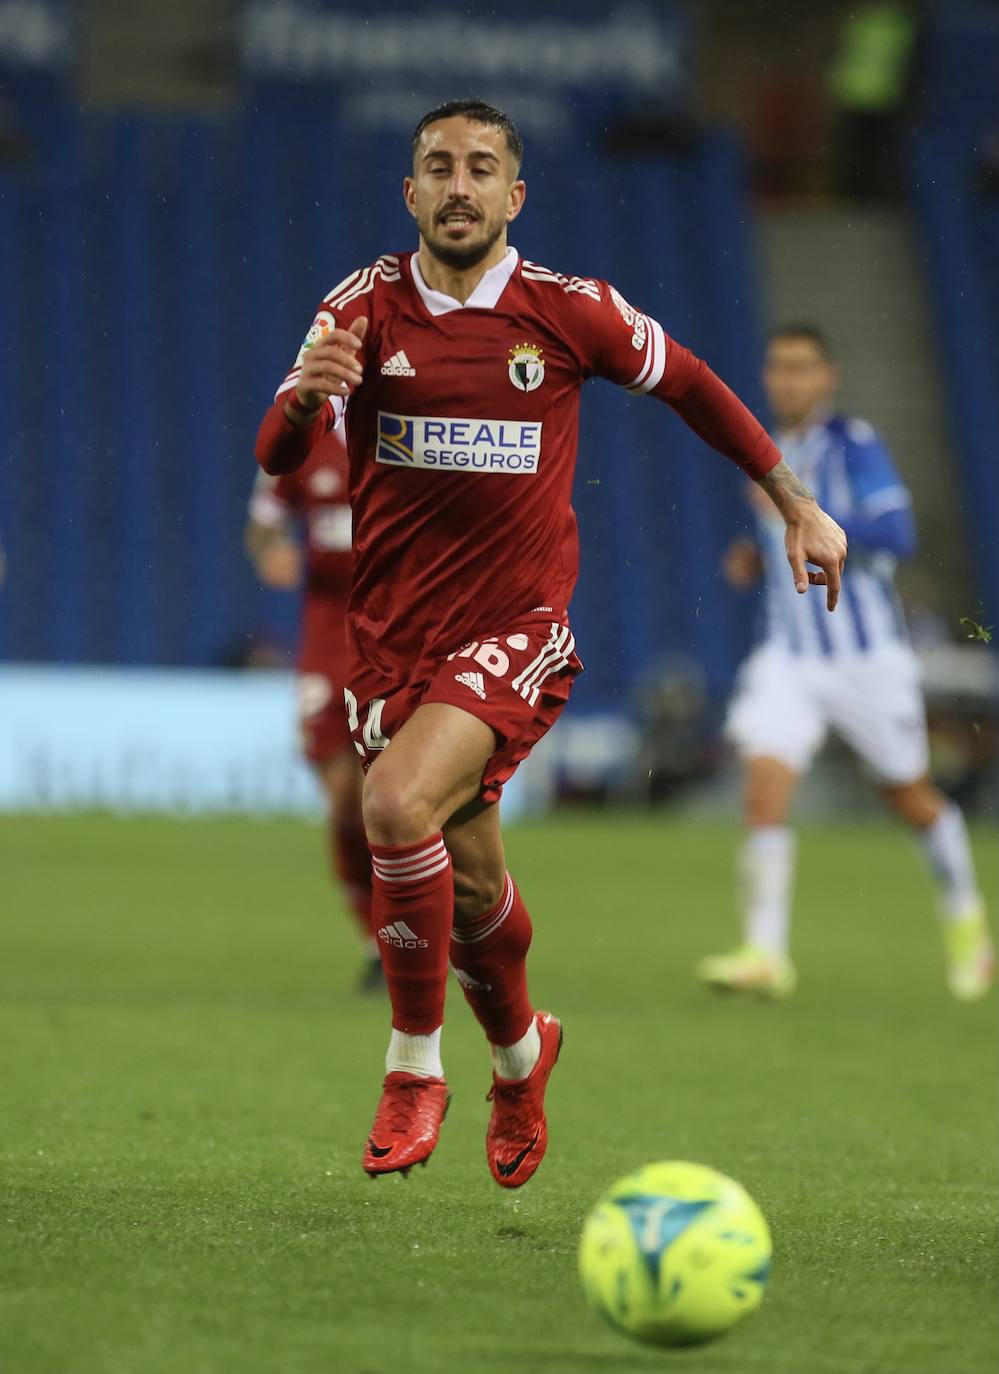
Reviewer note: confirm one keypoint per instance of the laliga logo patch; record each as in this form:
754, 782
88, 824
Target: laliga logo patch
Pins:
526, 367
321, 326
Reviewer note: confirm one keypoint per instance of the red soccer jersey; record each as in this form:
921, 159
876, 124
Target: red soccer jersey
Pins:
317, 493
462, 442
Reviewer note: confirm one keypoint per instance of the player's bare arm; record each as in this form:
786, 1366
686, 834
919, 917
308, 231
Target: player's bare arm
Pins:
276, 556
329, 368
811, 535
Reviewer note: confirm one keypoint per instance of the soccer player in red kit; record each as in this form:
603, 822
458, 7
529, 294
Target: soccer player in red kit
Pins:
316, 493
458, 369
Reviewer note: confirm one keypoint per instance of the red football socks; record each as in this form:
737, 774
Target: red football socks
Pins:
412, 910
489, 957
351, 860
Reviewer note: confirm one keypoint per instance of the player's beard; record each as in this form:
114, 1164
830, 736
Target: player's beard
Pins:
460, 256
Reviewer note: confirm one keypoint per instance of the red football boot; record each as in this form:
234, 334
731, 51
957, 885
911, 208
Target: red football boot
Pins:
407, 1123
517, 1136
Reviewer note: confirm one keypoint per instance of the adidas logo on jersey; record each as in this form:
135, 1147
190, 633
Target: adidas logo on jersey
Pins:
398, 366
400, 935
474, 681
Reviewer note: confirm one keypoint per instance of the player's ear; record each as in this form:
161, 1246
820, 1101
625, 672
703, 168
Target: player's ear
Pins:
409, 194
515, 200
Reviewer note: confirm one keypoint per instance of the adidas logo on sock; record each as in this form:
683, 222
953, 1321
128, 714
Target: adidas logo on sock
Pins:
400, 935
398, 366
467, 981
474, 681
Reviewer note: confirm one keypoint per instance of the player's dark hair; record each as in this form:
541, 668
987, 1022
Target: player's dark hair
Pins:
803, 330
479, 113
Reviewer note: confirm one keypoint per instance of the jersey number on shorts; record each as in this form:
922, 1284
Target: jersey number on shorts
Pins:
372, 732
488, 654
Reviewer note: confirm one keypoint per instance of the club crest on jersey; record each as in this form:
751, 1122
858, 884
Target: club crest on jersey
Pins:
526, 367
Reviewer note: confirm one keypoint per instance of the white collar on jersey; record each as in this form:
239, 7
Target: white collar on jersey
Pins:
485, 295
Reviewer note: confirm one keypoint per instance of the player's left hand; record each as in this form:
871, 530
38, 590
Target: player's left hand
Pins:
813, 537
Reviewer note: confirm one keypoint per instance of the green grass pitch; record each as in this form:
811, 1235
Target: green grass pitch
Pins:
186, 1081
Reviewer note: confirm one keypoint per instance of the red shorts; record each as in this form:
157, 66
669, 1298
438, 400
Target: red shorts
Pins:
322, 721
517, 682
321, 669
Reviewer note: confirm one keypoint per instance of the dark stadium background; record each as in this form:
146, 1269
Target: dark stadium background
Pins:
179, 188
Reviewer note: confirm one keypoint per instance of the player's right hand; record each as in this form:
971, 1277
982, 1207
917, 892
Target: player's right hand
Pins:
742, 566
332, 366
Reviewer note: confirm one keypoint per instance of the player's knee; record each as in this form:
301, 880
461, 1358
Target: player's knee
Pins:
764, 806
917, 803
476, 893
767, 794
394, 809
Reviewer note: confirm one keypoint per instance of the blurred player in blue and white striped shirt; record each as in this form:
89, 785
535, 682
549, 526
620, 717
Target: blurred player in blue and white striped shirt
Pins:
854, 673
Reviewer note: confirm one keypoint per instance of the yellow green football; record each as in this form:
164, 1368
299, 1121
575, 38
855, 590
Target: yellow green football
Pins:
675, 1254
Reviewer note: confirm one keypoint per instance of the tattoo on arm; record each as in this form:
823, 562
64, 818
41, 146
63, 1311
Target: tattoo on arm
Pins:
784, 488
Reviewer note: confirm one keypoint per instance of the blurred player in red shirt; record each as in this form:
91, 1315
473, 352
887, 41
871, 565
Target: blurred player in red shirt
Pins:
315, 496
458, 370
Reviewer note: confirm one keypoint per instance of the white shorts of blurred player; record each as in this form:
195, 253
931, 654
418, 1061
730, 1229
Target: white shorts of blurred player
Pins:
784, 706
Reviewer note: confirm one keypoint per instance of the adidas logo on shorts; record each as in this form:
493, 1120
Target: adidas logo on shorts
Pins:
398, 366
400, 935
474, 681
